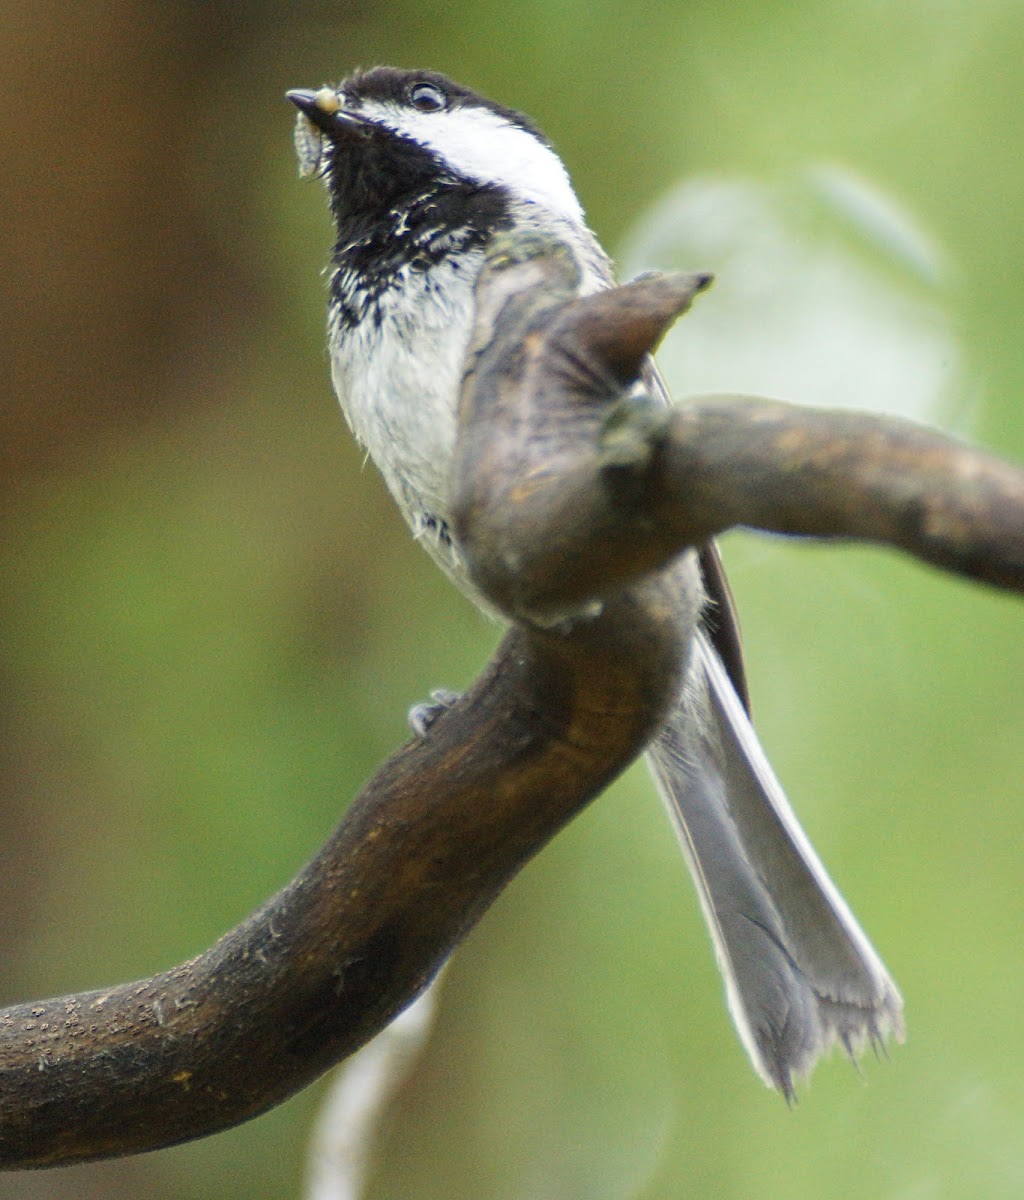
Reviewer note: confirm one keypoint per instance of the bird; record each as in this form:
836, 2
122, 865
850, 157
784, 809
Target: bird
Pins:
422, 174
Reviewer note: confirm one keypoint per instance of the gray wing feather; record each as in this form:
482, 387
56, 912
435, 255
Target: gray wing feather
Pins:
721, 620
799, 972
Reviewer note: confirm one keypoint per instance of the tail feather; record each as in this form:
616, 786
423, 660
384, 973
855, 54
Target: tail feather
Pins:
799, 972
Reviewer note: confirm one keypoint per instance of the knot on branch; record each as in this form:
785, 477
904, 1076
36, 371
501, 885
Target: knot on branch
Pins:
573, 478
557, 430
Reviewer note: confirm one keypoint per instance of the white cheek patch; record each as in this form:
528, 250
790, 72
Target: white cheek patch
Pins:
480, 145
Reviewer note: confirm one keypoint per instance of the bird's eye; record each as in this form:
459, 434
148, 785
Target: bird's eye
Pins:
427, 97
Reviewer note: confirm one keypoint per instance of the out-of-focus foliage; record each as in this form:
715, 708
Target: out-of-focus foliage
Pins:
213, 622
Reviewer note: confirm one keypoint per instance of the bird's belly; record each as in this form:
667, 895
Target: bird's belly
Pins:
398, 382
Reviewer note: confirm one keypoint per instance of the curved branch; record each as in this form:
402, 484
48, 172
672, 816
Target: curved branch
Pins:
736, 460
326, 963
571, 492
570, 482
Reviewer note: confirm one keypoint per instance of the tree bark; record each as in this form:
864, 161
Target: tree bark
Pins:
573, 495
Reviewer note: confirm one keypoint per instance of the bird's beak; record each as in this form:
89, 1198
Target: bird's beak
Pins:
324, 110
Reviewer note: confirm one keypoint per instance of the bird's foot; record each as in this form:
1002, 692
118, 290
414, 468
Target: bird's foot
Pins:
422, 716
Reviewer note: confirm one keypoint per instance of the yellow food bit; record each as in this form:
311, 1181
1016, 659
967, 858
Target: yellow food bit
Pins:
327, 100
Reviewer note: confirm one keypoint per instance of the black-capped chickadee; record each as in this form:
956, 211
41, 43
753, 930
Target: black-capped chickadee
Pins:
421, 174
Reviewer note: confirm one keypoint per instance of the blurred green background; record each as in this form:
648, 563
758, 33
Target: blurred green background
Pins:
213, 621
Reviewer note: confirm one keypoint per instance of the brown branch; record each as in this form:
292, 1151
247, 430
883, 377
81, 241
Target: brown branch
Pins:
566, 493
329, 961
734, 460
567, 489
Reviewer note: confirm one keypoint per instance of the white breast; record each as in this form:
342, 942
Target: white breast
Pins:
399, 381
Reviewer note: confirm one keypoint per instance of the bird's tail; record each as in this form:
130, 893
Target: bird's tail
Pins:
799, 972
